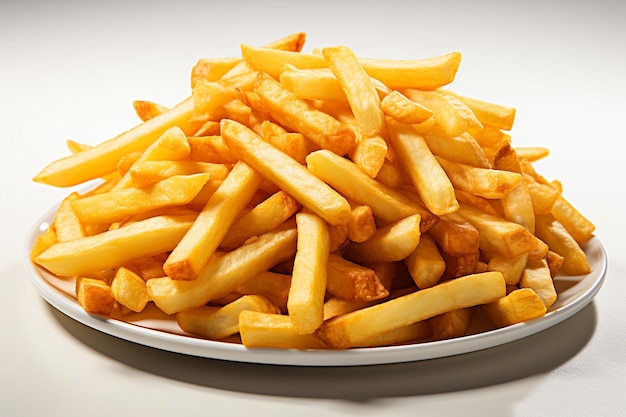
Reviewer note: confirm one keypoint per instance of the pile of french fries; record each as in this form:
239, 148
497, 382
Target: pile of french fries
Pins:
315, 201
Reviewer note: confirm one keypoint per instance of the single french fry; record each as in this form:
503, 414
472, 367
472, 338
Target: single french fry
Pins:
463, 148
498, 235
44, 241
532, 153
518, 306
148, 267
312, 84
207, 232
286, 173
308, 281
113, 248
403, 110
390, 243
147, 110
144, 173
95, 296
552, 232
411, 333
537, 276
351, 281
428, 177
510, 267
209, 97
573, 220
118, 205
129, 289
343, 175
483, 182
264, 217
223, 274
370, 154
362, 96
425, 263
491, 114
211, 149
543, 196
273, 331
352, 329
217, 323
212, 69
452, 324
297, 114
66, 223
102, 158
362, 224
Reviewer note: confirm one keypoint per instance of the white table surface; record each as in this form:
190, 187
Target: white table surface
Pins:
71, 71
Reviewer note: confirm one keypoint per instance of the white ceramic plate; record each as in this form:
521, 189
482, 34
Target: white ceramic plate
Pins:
152, 328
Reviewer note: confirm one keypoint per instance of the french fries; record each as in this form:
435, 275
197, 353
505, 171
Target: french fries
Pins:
315, 201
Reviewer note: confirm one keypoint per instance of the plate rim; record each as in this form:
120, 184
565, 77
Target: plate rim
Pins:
190, 345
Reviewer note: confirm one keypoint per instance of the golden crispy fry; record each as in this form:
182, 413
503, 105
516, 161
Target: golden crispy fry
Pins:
370, 154
351, 281
362, 224
113, 248
295, 113
537, 276
102, 158
275, 331
129, 289
210, 149
354, 328
211, 69
264, 217
224, 273
147, 110
463, 148
207, 232
95, 296
518, 306
144, 173
532, 154
308, 281
269, 284
356, 84
342, 174
427, 175
510, 267
285, 172
66, 223
118, 205
452, 324
403, 110
312, 84
573, 220
483, 182
390, 243
552, 232
218, 323
425, 263
491, 114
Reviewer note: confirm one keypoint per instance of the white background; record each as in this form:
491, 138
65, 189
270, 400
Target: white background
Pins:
70, 70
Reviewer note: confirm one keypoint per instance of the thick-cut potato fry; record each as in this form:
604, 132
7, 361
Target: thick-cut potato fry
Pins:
510, 267
390, 243
212, 69
44, 241
264, 217
66, 223
451, 115
463, 148
362, 224
452, 324
403, 110
209, 97
370, 154
129, 289
552, 232
543, 196
308, 281
147, 110
483, 182
491, 114
532, 153
342, 174
312, 84
274, 331
288, 174
218, 323
354, 328
498, 235
573, 220
295, 113
351, 281
102, 158
212, 149
207, 232
427, 175
222, 274
518, 306
537, 276
148, 267
115, 247
455, 235
144, 173
362, 96
425, 263
95, 296
118, 205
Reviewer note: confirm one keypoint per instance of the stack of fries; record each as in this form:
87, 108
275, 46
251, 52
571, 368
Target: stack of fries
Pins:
315, 200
